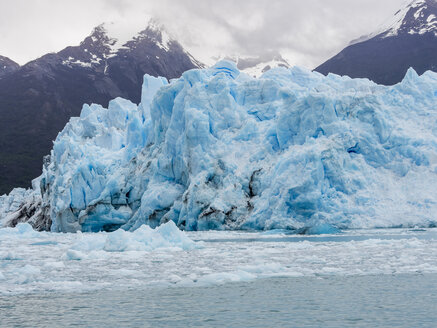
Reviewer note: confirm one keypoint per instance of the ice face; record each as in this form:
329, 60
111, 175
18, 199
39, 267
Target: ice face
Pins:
218, 149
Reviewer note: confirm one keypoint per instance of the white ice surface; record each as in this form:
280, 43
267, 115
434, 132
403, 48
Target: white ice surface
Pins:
33, 262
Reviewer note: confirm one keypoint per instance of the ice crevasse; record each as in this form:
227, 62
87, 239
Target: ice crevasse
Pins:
218, 149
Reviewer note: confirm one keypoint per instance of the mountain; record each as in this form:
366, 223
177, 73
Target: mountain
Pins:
7, 66
38, 99
409, 39
255, 66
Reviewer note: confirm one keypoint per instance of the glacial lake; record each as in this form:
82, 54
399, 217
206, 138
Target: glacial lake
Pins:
362, 278
363, 301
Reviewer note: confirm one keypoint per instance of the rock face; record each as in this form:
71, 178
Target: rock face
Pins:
38, 99
408, 40
7, 66
218, 149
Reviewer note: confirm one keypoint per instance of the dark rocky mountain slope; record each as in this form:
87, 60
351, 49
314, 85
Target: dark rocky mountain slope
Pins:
408, 40
7, 66
38, 99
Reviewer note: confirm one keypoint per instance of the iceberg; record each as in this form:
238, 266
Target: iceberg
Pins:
219, 149
164, 237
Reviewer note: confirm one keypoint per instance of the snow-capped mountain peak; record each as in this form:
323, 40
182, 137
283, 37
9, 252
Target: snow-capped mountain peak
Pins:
255, 66
7, 66
417, 17
109, 38
120, 33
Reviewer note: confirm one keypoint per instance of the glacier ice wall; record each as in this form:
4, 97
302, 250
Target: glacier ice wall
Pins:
217, 149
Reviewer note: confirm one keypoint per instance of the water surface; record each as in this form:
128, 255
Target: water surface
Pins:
359, 301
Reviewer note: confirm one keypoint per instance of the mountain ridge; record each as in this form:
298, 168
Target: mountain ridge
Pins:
407, 40
38, 98
255, 66
7, 66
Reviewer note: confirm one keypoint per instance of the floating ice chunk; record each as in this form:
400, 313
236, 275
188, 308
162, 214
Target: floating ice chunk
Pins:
9, 256
164, 257
26, 274
148, 239
22, 229
225, 277
143, 239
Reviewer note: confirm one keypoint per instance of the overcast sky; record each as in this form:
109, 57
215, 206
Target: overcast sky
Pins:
306, 32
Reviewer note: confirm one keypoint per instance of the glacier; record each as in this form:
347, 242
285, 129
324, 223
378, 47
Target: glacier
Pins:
218, 149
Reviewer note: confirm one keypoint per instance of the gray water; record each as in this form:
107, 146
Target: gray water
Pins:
360, 301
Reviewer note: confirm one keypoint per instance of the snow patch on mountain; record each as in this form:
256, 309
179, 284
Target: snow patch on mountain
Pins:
109, 38
417, 17
255, 66
262, 67
7, 66
122, 31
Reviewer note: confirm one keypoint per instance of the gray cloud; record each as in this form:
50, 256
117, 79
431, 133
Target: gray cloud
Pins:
306, 32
